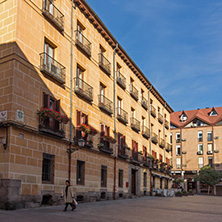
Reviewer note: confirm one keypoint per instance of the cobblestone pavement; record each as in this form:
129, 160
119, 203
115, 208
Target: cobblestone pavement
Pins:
153, 209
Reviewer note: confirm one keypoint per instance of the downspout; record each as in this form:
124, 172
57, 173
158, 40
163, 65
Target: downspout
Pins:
71, 77
149, 115
114, 102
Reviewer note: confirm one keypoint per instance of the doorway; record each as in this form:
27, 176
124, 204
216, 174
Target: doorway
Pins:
133, 181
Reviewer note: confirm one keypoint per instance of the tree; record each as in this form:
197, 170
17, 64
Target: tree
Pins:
208, 176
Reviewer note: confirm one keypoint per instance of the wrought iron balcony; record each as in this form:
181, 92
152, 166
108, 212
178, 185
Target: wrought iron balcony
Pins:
147, 161
135, 124
153, 111
53, 14
166, 124
154, 138
169, 147
145, 132
51, 127
83, 43
121, 80
122, 115
105, 104
134, 92
136, 158
160, 118
104, 64
161, 143
144, 103
105, 147
52, 68
83, 89
122, 152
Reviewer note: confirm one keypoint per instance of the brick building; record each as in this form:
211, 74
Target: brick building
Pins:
57, 63
196, 136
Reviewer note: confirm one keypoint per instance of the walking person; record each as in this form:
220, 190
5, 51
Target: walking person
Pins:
68, 196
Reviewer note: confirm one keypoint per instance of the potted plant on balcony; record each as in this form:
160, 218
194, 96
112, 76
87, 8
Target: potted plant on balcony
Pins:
109, 139
93, 131
85, 129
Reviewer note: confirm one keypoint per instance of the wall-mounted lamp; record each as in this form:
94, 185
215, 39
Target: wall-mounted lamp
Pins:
3, 141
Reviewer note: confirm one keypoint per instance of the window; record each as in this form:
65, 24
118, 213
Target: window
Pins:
134, 150
210, 161
160, 157
143, 121
132, 112
119, 105
178, 137
210, 147
200, 162
154, 179
178, 163
200, 148
209, 136
118, 69
49, 6
121, 140
200, 136
154, 154
80, 30
120, 178
178, 150
48, 168
145, 179
161, 183
104, 131
80, 175
103, 176
213, 113
144, 153
81, 118
53, 104
102, 93
142, 92
167, 161
183, 117
50, 51
171, 138
79, 77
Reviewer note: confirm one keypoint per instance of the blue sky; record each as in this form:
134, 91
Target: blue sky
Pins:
176, 43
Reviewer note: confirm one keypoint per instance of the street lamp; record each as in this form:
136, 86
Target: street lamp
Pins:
81, 142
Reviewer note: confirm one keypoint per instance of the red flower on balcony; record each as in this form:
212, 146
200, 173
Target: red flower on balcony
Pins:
85, 128
49, 113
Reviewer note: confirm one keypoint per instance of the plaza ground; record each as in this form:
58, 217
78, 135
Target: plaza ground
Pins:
155, 209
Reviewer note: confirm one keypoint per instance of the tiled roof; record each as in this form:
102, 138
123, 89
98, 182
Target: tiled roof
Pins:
201, 114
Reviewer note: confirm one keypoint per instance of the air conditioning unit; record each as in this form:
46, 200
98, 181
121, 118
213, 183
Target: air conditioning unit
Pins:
210, 152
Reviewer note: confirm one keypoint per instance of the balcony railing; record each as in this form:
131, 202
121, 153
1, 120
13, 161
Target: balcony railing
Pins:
105, 104
161, 143
168, 147
160, 118
154, 138
51, 127
121, 80
83, 43
52, 68
83, 89
136, 158
53, 14
153, 111
167, 124
135, 124
104, 64
147, 161
105, 147
144, 103
134, 92
145, 132
122, 115
122, 152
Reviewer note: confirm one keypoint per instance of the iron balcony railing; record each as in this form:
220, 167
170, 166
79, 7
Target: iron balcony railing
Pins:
83, 89
105, 147
121, 80
135, 124
53, 14
134, 92
154, 138
51, 126
105, 104
145, 132
122, 151
166, 124
104, 64
51, 67
153, 111
83, 42
160, 118
144, 103
161, 143
122, 115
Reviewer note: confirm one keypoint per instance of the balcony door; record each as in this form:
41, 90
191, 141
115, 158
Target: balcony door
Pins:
102, 94
121, 144
79, 78
81, 118
119, 106
80, 33
49, 6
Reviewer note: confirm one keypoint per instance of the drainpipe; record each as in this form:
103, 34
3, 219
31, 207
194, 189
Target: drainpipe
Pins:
71, 63
114, 102
149, 113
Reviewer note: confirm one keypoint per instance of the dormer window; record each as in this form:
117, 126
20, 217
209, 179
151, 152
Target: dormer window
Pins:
213, 113
183, 117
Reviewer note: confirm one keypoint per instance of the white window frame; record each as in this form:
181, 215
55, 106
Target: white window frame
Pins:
209, 132
200, 162
178, 147
200, 138
199, 148
178, 163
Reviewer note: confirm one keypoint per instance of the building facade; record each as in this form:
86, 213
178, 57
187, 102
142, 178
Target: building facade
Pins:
74, 105
196, 136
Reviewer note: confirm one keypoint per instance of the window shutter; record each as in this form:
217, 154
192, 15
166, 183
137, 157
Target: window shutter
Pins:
46, 100
57, 104
102, 130
77, 118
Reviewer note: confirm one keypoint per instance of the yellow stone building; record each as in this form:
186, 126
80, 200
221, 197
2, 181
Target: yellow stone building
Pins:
59, 62
196, 138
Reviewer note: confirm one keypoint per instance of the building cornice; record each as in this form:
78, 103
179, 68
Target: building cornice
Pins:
103, 30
